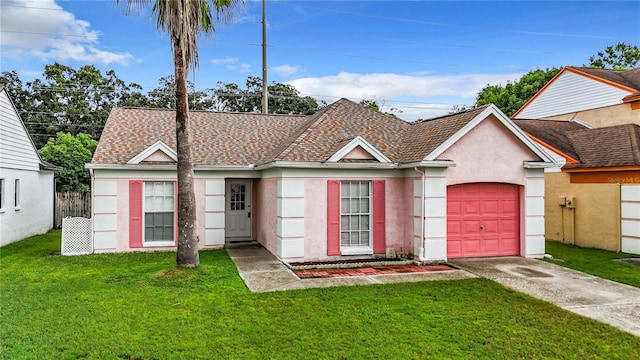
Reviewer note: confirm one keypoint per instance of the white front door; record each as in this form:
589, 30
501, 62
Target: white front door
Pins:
238, 209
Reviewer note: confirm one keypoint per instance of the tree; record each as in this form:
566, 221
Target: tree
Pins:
458, 108
183, 20
283, 98
511, 97
70, 153
373, 105
164, 95
620, 56
69, 100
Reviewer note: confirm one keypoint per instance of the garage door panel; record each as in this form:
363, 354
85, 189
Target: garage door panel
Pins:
483, 219
490, 246
471, 207
471, 246
490, 227
490, 207
455, 228
510, 206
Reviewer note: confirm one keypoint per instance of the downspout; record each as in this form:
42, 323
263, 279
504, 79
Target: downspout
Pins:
421, 256
573, 226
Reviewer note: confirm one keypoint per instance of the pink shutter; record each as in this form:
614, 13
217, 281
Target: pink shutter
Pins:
379, 217
333, 217
135, 213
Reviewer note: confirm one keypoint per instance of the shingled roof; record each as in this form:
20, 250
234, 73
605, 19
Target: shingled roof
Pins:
552, 133
611, 146
229, 139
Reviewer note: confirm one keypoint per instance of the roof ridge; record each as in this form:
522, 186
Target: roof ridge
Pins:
448, 115
313, 123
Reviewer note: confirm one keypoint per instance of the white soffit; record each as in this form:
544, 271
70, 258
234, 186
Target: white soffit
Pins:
157, 146
364, 144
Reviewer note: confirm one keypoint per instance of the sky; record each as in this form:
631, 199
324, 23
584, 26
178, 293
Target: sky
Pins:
418, 57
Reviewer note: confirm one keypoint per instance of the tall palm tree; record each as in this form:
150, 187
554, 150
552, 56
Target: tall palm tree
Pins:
184, 20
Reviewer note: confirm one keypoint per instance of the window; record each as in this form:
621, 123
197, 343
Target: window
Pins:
2, 194
159, 212
237, 197
17, 194
355, 216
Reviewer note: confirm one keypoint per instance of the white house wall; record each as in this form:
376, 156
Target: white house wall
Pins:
34, 215
16, 149
570, 93
630, 218
534, 214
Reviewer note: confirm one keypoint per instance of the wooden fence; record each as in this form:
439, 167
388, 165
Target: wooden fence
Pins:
72, 204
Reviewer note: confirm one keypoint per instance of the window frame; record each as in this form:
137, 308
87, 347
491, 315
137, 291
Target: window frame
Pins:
16, 194
3, 194
357, 250
158, 243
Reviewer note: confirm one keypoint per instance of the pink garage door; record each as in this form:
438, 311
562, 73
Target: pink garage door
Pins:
483, 219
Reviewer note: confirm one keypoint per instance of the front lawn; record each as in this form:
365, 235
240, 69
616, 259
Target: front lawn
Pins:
595, 262
139, 306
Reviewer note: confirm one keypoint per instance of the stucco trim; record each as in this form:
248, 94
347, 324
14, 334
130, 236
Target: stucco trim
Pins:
359, 141
157, 146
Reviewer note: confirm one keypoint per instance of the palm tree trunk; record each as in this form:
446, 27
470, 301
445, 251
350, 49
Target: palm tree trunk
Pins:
187, 255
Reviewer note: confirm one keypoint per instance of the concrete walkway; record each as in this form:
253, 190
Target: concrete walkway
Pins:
603, 300
262, 272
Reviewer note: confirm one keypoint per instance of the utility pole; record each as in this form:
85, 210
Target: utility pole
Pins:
265, 92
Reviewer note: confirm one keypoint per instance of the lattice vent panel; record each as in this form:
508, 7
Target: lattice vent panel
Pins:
76, 236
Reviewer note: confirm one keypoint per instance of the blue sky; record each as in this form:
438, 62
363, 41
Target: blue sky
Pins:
421, 57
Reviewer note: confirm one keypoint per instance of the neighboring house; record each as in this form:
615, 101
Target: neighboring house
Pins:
347, 181
26, 181
599, 97
595, 200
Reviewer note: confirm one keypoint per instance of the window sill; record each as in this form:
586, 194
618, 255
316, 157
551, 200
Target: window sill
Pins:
158, 244
356, 251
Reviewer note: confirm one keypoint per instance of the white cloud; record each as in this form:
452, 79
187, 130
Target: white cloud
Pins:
42, 28
391, 89
224, 61
233, 64
286, 70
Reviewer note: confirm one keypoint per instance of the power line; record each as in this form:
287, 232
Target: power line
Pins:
433, 23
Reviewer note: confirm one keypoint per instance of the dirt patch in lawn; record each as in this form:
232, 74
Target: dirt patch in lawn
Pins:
178, 274
632, 261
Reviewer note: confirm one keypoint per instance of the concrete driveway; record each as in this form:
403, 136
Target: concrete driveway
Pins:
603, 300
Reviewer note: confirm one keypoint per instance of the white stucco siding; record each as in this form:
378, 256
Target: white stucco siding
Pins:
630, 218
571, 92
16, 148
34, 213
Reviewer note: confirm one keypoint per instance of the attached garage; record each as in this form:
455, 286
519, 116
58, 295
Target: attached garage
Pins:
483, 219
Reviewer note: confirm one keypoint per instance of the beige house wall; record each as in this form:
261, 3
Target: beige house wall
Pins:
595, 220
605, 116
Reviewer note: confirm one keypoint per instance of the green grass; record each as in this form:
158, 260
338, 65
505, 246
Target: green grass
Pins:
595, 262
139, 306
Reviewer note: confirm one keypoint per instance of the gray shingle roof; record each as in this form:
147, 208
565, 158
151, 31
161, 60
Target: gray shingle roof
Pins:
610, 146
245, 138
552, 132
